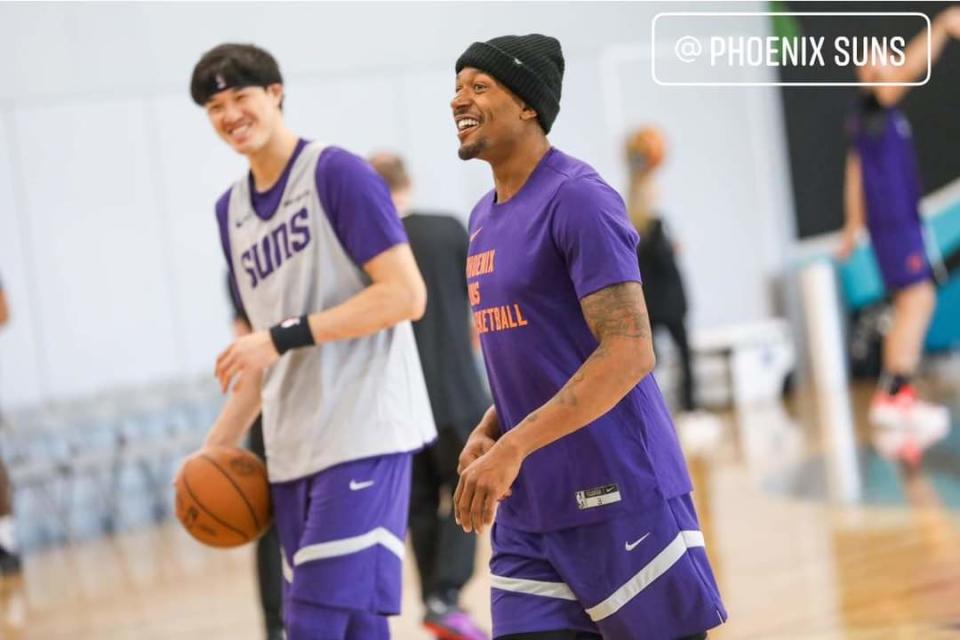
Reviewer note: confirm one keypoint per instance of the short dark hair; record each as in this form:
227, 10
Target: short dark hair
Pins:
232, 66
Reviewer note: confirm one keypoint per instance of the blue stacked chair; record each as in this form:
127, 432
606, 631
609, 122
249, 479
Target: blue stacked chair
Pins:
96, 466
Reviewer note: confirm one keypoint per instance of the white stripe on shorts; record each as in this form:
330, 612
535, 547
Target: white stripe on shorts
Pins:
287, 571
346, 546
533, 587
653, 570
627, 592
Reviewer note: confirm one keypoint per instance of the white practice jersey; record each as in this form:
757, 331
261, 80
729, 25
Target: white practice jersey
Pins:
298, 250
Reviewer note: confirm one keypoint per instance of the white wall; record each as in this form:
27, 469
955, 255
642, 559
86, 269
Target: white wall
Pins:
108, 246
724, 186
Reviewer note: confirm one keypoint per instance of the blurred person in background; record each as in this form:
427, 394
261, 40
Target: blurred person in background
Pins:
269, 569
444, 553
9, 556
662, 283
882, 191
663, 287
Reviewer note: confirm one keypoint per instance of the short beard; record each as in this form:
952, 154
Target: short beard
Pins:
471, 151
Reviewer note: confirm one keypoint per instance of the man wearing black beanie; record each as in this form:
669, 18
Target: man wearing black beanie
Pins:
596, 531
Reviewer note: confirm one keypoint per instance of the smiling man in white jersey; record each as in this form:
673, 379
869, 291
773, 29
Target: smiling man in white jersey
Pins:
322, 267
596, 533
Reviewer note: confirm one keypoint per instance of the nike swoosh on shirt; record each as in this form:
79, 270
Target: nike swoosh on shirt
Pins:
474, 234
239, 223
357, 486
631, 546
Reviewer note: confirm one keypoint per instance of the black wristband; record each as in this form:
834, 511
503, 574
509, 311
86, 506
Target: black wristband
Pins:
290, 334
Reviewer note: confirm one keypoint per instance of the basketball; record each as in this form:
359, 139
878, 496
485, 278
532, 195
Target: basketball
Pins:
646, 149
223, 496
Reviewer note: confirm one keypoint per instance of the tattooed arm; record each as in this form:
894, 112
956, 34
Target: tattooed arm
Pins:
617, 316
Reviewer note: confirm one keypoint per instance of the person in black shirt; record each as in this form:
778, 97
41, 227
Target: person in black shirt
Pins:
269, 570
444, 553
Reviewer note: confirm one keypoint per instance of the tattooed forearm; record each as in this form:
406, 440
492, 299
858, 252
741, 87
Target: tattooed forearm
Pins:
617, 311
567, 396
617, 316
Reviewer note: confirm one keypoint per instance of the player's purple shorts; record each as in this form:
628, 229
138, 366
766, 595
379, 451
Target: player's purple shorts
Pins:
901, 256
342, 537
636, 576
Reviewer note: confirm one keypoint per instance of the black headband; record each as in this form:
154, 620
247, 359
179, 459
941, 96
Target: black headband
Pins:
225, 80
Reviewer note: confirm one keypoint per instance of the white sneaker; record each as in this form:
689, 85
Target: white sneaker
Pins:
905, 410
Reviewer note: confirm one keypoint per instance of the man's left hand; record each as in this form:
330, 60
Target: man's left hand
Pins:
484, 483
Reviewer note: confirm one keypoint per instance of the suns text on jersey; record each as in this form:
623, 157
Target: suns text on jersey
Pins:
267, 255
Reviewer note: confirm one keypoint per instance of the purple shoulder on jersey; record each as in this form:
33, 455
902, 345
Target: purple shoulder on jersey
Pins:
358, 204
598, 242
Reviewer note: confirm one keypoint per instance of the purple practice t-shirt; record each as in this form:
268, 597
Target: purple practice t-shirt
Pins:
563, 236
891, 178
892, 191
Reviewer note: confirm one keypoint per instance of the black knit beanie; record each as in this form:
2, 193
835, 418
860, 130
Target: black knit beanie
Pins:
531, 66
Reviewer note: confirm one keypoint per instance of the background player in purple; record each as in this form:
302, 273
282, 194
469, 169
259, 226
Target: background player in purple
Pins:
596, 531
321, 266
882, 190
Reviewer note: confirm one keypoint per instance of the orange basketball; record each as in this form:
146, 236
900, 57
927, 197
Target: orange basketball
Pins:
223, 496
646, 149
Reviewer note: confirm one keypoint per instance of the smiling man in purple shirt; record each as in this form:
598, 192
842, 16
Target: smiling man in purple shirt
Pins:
596, 532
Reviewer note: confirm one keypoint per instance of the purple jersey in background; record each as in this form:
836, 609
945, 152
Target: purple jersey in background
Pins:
891, 188
564, 236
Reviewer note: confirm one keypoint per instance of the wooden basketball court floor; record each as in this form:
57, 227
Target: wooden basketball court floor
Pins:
812, 533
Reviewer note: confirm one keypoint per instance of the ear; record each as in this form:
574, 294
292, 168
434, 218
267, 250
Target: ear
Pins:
275, 91
528, 113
